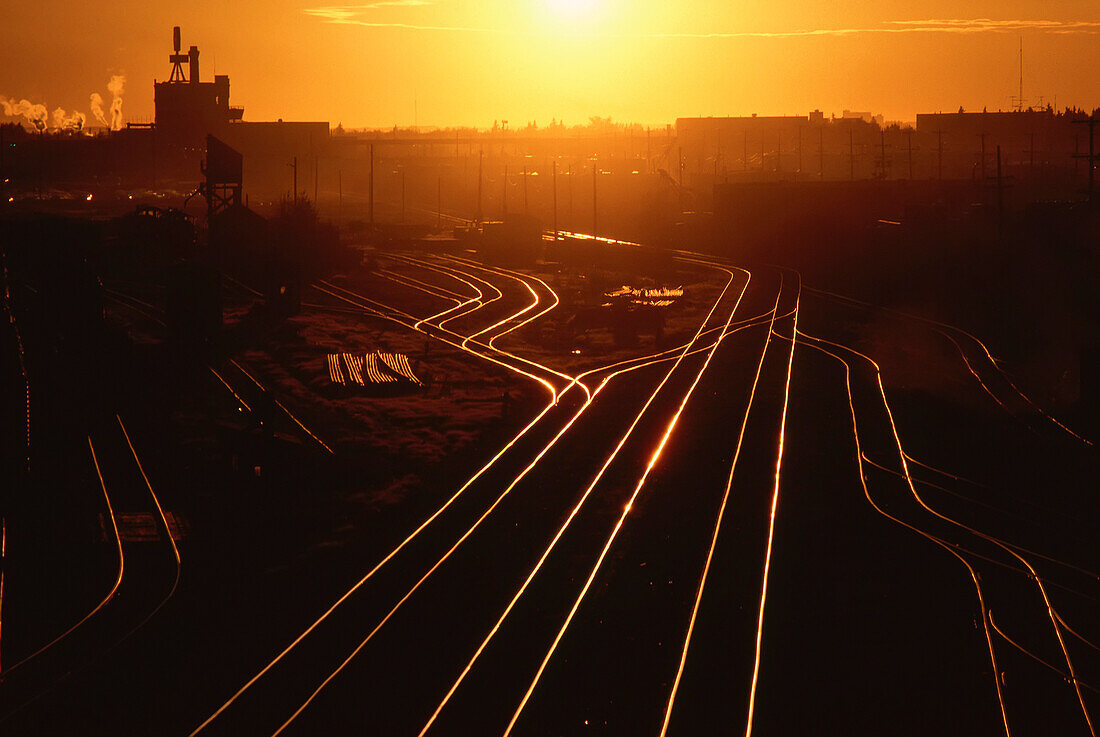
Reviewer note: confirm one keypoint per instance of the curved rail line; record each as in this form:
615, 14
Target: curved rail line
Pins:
982, 347
1050, 610
388, 313
385, 312
474, 527
156, 609
687, 350
867, 494
463, 277
574, 381
110, 594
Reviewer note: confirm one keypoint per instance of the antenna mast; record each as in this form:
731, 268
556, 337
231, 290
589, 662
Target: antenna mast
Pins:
177, 58
1018, 100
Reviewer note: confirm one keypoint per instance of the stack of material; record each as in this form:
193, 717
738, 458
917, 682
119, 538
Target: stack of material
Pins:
399, 364
375, 372
376, 368
355, 367
335, 373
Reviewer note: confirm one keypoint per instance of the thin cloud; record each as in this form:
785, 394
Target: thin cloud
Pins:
353, 15
348, 21
341, 13
988, 24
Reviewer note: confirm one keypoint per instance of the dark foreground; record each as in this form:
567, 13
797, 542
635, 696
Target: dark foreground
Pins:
790, 513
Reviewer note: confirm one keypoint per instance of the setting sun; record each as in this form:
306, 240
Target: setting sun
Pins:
571, 7
537, 367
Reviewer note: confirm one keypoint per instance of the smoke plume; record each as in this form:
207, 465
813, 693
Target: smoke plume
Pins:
35, 113
115, 86
64, 122
96, 103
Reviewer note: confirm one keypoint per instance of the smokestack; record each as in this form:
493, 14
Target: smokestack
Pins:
176, 38
193, 57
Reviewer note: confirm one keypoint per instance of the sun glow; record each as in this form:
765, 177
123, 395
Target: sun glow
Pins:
571, 7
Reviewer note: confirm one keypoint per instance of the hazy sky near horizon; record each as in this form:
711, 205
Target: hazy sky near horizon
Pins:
470, 62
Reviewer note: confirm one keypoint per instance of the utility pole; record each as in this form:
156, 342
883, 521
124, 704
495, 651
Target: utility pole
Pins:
556, 190
821, 152
717, 154
1000, 197
1092, 161
595, 171
480, 157
570, 175
525, 189
882, 135
982, 136
909, 136
370, 186
1076, 152
1090, 158
294, 180
800, 150
851, 154
939, 136
648, 155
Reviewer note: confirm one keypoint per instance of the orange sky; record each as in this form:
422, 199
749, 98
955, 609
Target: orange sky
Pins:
470, 62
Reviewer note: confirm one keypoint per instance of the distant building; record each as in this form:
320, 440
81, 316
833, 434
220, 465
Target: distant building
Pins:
1000, 126
1037, 147
187, 109
1033, 143
774, 147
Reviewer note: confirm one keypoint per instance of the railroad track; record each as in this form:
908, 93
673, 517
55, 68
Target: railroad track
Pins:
146, 574
486, 516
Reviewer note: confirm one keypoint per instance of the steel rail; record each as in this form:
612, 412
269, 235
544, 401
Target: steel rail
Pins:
592, 485
771, 519
946, 546
652, 462
280, 405
982, 346
424, 524
1065, 676
110, 593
